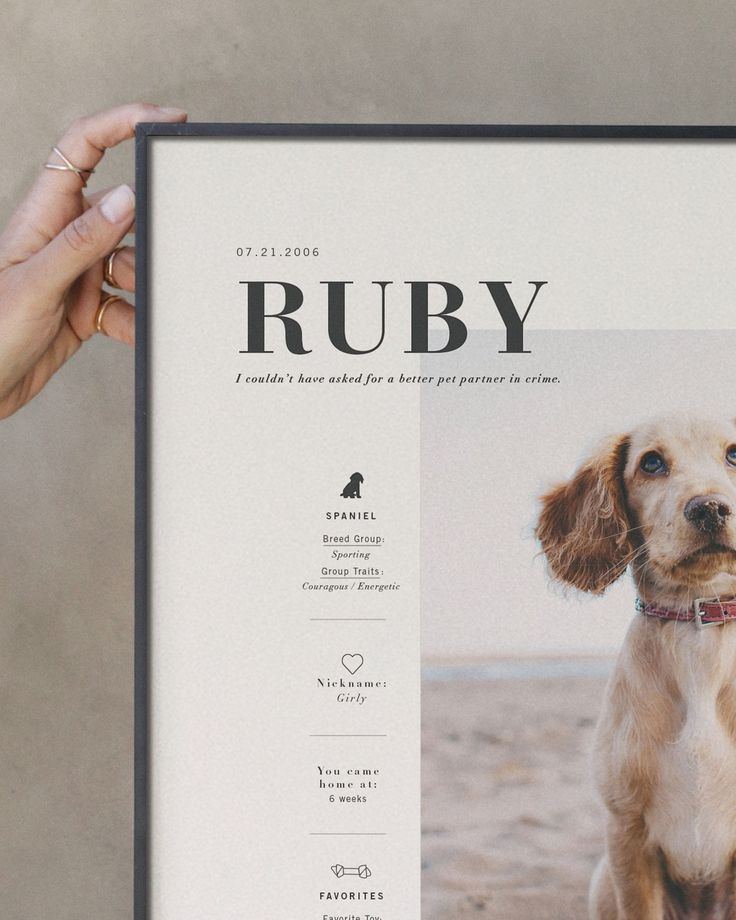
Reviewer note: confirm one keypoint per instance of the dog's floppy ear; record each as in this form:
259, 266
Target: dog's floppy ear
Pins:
584, 526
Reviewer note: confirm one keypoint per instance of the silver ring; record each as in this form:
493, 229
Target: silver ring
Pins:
68, 166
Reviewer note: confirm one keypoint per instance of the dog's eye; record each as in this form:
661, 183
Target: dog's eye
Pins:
731, 455
653, 463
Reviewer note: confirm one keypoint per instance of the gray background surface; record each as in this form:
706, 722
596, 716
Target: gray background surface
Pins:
66, 460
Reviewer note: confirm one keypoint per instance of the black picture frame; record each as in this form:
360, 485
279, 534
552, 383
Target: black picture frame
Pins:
146, 132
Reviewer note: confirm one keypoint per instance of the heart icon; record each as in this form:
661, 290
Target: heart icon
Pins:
352, 663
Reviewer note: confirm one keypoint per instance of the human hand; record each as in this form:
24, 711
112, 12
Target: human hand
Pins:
53, 253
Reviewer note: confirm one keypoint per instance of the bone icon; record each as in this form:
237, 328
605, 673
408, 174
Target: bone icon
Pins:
361, 871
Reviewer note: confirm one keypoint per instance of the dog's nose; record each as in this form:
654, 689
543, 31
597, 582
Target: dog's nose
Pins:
708, 513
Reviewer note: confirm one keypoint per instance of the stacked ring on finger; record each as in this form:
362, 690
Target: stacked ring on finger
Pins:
109, 262
67, 166
99, 315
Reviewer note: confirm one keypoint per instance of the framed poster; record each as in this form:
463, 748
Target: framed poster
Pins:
386, 575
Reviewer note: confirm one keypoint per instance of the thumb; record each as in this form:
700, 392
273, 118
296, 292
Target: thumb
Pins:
86, 240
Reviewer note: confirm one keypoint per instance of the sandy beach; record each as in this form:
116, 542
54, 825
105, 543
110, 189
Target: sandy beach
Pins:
512, 827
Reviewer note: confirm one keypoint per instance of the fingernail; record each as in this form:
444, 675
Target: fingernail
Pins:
118, 205
168, 110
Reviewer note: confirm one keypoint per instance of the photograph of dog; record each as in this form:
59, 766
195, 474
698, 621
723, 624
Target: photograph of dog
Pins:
660, 502
578, 715
352, 489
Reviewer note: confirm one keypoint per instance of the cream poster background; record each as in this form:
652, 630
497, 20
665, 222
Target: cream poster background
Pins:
66, 460
236, 470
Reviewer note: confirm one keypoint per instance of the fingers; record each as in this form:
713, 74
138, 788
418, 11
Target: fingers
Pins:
86, 140
95, 197
56, 194
122, 258
123, 269
84, 241
118, 321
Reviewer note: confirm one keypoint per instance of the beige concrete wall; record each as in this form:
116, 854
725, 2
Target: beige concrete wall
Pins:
66, 499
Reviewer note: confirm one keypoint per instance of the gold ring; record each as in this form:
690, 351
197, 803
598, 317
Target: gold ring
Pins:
104, 304
69, 167
109, 278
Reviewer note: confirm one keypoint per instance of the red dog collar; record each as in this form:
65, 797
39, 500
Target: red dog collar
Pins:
705, 611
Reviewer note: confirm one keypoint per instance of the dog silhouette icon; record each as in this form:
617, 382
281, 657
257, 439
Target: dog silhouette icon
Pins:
352, 489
